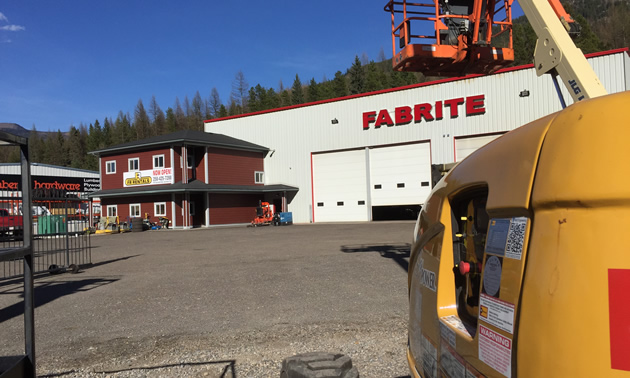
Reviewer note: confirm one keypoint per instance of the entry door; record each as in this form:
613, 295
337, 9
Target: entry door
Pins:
340, 186
400, 175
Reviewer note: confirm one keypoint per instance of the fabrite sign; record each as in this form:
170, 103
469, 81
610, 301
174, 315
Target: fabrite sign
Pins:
148, 177
404, 115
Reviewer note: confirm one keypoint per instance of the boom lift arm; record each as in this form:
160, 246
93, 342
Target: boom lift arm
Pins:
556, 53
465, 32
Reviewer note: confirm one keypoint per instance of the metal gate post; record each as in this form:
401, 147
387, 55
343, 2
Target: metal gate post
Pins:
67, 236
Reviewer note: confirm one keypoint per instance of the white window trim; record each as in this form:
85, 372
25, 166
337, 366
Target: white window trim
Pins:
131, 206
156, 206
188, 160
262, 174
107, 171
115, 207
163, 161
129, 164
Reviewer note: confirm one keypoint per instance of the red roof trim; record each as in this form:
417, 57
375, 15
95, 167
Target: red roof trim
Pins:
419, 85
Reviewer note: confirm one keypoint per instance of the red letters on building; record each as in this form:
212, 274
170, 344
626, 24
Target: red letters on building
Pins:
383, 119
404, 115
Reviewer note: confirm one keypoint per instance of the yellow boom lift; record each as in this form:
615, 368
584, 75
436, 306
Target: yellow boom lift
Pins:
520, 264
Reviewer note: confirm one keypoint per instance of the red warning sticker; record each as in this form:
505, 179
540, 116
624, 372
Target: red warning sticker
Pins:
495, 350
619, 309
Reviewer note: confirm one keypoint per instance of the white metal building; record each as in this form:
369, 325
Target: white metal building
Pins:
350, 156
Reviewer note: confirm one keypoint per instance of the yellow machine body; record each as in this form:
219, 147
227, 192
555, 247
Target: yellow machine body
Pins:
520, 265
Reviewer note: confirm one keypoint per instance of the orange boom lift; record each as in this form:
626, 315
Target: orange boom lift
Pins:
451, 37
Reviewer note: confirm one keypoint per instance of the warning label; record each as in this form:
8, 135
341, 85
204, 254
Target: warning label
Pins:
451, 363
448, 334
495, 350
429, 358
456, 322
496, 312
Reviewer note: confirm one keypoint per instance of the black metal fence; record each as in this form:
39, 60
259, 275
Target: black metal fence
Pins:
61, 231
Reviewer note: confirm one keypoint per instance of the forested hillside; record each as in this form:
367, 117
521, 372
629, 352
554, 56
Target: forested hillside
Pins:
605, 24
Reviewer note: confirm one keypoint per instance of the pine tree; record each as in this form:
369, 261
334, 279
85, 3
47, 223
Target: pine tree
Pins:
373, 78
297, 94
285, 98
273, 99
357, 77
141, 121
158, 120
180, 116
123, 131
214, 103
261, 96
340, 85
35, 146
188, 112
171, 123
254, 104
239, 92
223, 111
107, 133
95, 140
197, 113
75, 147
312, 92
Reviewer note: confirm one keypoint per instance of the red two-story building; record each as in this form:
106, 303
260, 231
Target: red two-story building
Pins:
193, 178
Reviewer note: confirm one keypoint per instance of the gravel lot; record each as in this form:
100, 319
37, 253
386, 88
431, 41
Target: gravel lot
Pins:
222, 302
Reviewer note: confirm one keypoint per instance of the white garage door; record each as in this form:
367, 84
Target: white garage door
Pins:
400, 175
340, 186
466, 146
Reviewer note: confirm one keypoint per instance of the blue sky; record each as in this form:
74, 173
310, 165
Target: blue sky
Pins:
68, 62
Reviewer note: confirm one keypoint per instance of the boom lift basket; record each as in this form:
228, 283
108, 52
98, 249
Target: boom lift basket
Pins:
460, 36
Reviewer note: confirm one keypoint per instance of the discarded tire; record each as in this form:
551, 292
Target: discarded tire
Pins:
318, 365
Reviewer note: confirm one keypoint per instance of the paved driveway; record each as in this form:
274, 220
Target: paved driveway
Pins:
227, 301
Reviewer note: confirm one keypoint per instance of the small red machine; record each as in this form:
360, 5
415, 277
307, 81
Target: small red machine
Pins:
264, 214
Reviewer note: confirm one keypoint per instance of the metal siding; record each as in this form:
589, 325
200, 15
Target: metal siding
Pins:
295, 133
47, 170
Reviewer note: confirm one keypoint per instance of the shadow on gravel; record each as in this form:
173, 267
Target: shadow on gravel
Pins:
228, 371
397, 252
94, 265
49, 291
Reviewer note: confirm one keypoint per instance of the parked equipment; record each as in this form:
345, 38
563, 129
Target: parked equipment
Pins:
516, 269
283, 219
264, 214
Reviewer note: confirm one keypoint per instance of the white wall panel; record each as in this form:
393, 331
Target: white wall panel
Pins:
295, 133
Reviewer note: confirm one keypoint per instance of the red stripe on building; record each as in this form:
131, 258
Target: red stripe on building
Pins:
619, 307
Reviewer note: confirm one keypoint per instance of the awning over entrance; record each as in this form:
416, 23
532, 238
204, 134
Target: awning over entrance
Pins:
192, 187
